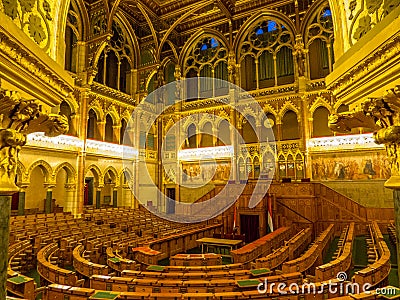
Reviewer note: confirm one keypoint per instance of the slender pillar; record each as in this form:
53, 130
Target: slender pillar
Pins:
115, 198
81, 159
396, 198
21, 200
5, 211
98, 194
49, 198
234, 142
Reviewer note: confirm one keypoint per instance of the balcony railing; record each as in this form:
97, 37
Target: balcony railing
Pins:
72, 143
343, 142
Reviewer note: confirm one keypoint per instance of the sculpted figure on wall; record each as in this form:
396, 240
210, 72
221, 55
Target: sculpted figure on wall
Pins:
19, 117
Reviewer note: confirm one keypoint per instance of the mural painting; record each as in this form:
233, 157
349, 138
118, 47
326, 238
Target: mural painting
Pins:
374, 165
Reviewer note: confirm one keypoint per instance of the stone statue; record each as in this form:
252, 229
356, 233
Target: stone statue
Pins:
19, 117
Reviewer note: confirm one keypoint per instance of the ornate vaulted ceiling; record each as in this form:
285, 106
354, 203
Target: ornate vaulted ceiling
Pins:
188, 15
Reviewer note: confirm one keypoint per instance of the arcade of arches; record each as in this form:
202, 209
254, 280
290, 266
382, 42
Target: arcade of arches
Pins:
98, 64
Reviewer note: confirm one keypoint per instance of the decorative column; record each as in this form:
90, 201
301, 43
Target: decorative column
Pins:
81, 159
70, 204
383, 115
115, 197
18, 117
306, 134
21, 199
49, 197
232, 67
234, 125
98, 197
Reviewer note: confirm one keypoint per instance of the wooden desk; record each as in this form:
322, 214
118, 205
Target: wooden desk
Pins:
260, 272
221, 243
104, 295
248, 283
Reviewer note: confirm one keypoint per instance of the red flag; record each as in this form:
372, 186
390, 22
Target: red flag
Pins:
270, 225
234, 217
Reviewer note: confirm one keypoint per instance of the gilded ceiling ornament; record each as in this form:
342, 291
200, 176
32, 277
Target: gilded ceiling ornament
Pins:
35, 28
364, 25
11, 8
27, 5
47, 9
373, 5
389, 5
352, 7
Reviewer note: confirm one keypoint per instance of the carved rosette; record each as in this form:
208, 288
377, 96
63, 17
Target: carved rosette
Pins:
18, 117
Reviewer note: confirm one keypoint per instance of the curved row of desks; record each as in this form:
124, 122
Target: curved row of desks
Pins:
378, 271
55, 291
18, 284
263, 246
295, 245
307, 260
343, 262
50, 271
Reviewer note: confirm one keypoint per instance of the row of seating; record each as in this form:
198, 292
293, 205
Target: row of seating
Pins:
119, 263
392, 234
207, 259
307, 260
48, 269
20, 285
379, 269
262, 247
294, 245
67, 292
343, 259
86, 267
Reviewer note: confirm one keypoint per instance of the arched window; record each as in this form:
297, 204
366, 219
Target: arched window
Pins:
150, 139
65, 110
192, 136
248, 130
290, 126
92, 129
123, 134
266, 55
114, 65
319, 42
207, 58
71, 42
268, 129
73, 33
109, 132
224, 134
248, 73
169, 76
320, 122
207, 136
